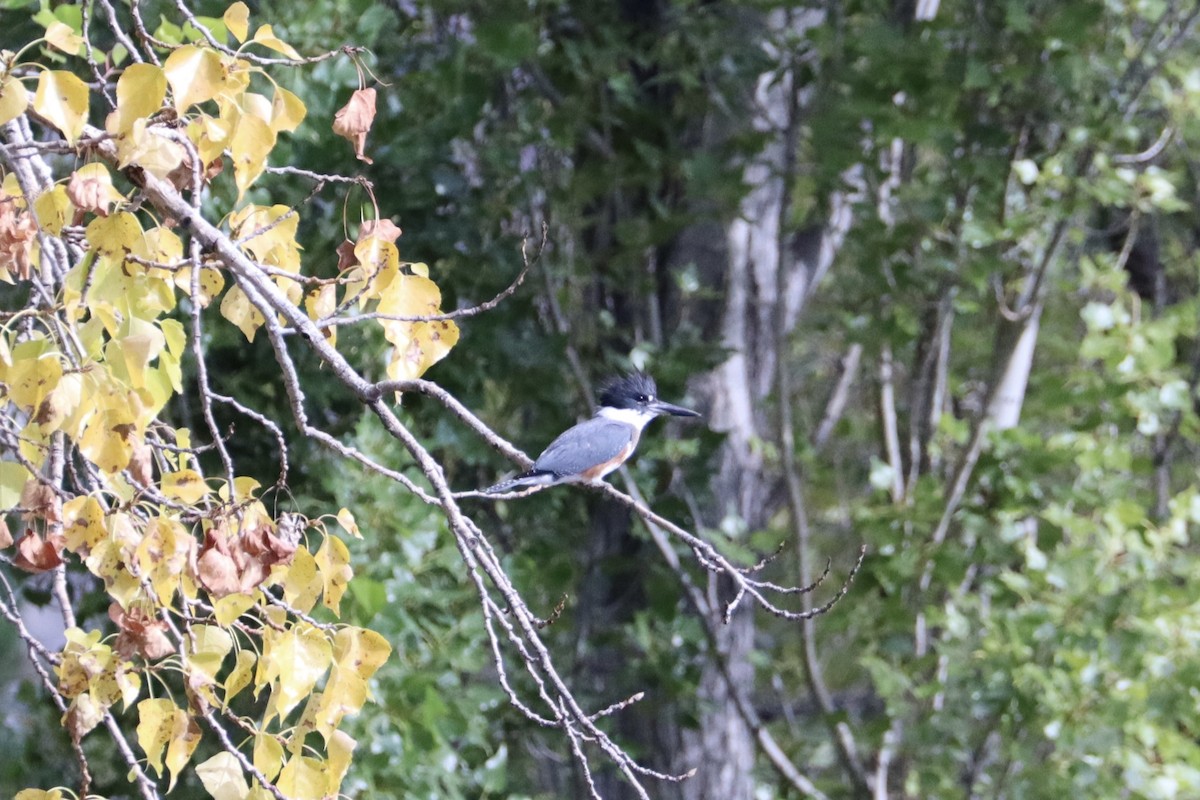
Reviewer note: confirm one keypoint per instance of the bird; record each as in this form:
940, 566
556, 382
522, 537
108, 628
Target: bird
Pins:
595, 447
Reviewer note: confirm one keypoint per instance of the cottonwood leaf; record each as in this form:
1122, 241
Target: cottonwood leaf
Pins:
115, 234
222, 777
268, 755
53, 210
60, 35
156, 724
141, 90
207, 647
196, 75
238, 309
37, 554
12, 480
303, 778
346, 519
83, 523
333, 560
185, 485
300, 657
91, 189
287, 110
303, 582
252, 142
14, 98
354, 120
242, 673
340, 748
265, 36
237, 20
418, 345
63, 100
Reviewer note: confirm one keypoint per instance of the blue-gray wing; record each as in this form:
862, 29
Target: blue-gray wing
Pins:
588, 444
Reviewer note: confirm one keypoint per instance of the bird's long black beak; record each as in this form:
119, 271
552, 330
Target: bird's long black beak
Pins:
660, 407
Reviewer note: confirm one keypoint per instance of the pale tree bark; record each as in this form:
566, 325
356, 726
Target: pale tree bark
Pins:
768, 275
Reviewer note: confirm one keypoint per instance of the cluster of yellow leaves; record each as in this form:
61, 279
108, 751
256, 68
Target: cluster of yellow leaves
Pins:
379, 281
160, 536
148, 563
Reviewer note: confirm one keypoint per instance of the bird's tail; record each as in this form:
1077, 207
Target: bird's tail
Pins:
522, 481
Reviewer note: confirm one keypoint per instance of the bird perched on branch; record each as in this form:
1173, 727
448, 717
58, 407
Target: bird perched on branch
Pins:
592, 449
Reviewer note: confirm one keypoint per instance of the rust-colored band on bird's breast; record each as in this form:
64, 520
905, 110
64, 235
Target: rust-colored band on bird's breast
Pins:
603, 468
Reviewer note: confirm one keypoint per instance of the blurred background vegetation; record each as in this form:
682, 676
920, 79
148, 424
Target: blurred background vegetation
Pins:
759, 201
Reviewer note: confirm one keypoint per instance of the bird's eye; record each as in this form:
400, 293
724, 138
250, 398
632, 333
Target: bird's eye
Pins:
643, 398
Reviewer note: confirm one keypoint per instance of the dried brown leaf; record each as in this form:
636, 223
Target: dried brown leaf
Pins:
353, 120
35, 554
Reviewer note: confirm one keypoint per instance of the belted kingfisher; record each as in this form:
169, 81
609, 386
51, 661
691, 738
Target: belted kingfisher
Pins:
592, 449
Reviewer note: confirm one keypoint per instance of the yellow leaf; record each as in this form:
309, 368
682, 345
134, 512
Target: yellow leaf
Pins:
360, 649
265, 36
222, 777
345, 693
141, 90
145, 146
38, 794
346, 520
12, 479
130, 685
211, 283
257, 105
63, 100
236, 308
195, 74
14, 98
174, 335
115, 234
340, 747
106, 562
244, 488
333, 560
185, 735
185, 485
61, 36
228, 608
61, 405
32, 377
138, 348
357, 654
206, 648
320, 303
83, 714
418, 345
162, 556
78, 663
300, 658
252, 142
211, 137
268, 755
156, 722
269, 234
53, 210
109, 438
302, 778
237, 20
239, 677
381, 260
287, 110
83, 523
302, 584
